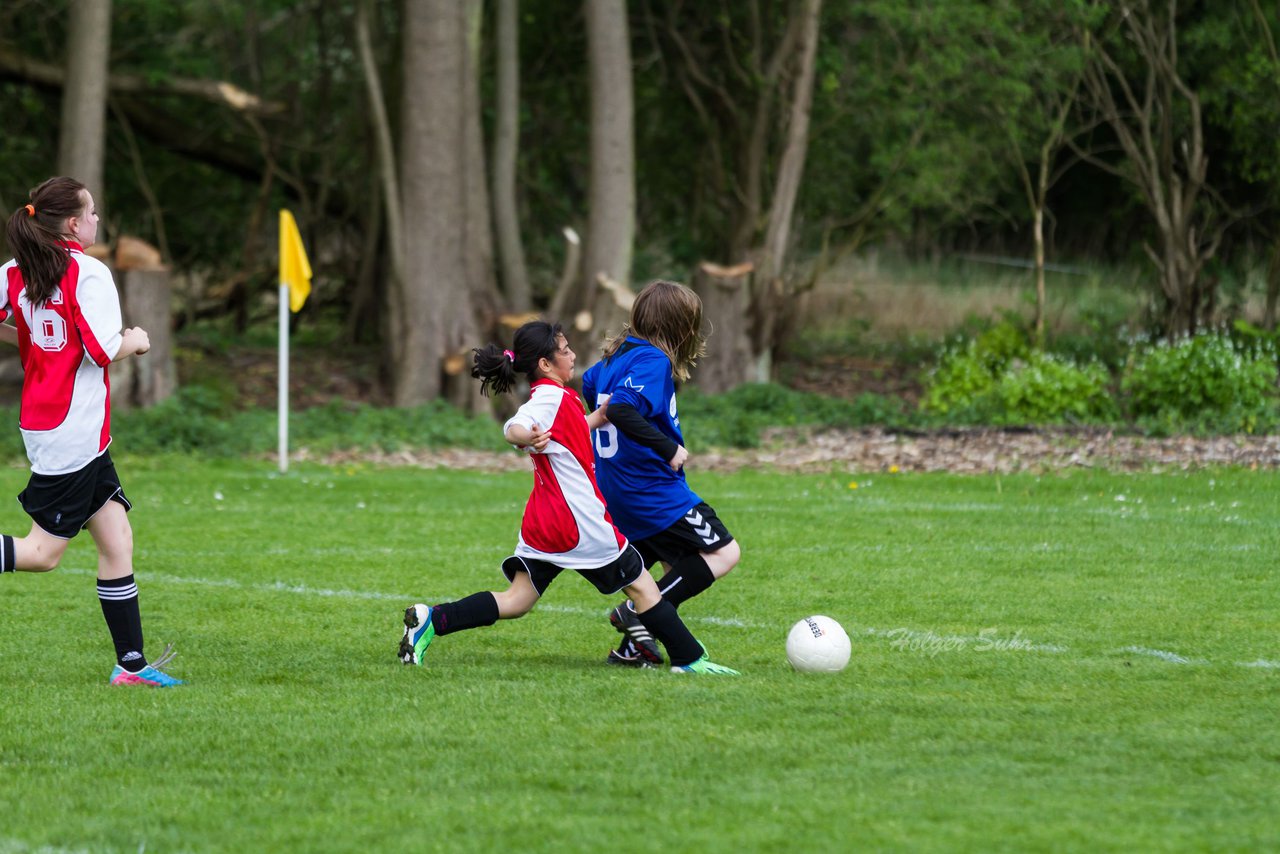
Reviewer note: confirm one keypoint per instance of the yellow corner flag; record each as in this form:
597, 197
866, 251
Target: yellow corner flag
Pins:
295, 270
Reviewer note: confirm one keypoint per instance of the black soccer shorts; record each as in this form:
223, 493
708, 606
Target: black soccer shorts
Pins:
608, 579
699, 530
63, 504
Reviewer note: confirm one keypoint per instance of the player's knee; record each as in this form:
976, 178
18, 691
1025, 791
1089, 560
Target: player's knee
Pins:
512, 606
43, 562
723, 560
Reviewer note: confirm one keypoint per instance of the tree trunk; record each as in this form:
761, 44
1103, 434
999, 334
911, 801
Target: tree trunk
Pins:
1273, 289
82, 138
773, 297
481, 303
726, 302
1165, 157
1037, 232
612, 193
434, 301
153, 376
506, 146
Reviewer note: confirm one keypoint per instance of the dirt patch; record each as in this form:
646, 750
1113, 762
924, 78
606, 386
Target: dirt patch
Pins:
860, 451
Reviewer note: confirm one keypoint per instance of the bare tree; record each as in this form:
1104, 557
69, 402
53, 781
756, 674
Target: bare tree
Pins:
612, 194
506, 146
1156, 118
754, 111
387, 168
84, 100
431, 317
772, 297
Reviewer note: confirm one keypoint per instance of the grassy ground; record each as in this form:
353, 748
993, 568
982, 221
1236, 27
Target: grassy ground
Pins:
1084, 662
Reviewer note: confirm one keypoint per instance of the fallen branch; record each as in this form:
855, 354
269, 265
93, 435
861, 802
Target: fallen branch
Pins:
16, 65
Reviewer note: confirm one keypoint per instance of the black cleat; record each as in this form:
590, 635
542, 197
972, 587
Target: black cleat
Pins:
625, 620
625, 656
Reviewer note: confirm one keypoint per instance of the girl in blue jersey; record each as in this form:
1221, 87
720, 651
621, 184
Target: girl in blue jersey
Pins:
640, 456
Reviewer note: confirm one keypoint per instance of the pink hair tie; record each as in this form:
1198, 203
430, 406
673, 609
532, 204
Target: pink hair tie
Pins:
510, 355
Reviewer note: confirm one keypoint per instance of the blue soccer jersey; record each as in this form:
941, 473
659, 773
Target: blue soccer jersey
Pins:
644, 495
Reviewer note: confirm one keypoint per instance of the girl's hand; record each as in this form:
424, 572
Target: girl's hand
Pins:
539, 438
677, 462
134, 341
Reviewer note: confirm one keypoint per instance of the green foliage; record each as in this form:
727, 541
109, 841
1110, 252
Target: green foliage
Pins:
997, 379
1205, 383
1047, 389
196, 420
737, 418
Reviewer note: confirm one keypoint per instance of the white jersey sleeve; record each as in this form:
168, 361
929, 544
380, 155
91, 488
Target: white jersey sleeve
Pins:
540, 409
100, 308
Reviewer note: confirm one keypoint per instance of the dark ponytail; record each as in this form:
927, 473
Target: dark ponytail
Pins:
35, 234
499, 369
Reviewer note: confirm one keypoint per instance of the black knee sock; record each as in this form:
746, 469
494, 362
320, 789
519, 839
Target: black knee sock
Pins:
664, 623
119, 598
6, 554
476, 610
687, 577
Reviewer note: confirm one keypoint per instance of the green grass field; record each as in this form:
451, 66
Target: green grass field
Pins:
1079, 662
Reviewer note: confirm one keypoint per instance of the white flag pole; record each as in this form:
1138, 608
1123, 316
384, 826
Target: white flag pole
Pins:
283, 416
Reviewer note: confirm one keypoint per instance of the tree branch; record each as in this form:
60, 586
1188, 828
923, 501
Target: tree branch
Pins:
17, 66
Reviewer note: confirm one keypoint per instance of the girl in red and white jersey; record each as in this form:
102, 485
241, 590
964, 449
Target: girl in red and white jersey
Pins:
68, 329
566, 524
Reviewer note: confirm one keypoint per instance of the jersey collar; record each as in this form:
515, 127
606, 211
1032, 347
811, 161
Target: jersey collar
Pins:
544, 381
71, 245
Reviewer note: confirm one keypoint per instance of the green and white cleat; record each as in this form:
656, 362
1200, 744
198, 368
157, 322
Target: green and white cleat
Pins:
418, 633
706, 666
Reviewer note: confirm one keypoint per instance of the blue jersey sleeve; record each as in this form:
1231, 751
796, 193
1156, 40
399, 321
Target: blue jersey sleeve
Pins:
644, 385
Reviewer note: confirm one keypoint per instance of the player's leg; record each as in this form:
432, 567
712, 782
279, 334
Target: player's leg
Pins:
700, 550
638, 647
661, 618
422, 623
38, 551
118, 595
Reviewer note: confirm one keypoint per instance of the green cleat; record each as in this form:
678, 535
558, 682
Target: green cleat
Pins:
418, 633
707, 666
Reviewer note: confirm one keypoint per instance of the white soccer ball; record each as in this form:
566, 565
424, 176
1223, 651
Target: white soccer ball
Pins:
818, 644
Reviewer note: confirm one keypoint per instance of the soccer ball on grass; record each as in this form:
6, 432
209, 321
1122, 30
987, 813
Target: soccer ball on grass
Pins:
818, 644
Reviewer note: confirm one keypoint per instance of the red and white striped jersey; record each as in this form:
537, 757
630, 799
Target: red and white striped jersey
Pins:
65, 346
565, 521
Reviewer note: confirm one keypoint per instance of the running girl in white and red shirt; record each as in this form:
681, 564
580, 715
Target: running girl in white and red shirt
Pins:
566, 524
68, 329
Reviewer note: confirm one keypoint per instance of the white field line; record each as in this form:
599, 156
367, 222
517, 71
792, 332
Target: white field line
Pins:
922, 641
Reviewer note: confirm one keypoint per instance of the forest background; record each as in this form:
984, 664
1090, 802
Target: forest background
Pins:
457, 164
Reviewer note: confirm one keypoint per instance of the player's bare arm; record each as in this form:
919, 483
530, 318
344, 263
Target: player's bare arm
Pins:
599, 418
533, 439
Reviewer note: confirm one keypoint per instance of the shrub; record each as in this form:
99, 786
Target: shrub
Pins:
998, 379
1206, 383
1048, 389
737, 418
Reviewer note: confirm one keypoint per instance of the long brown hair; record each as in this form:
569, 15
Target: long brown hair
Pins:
35, 234
669, 316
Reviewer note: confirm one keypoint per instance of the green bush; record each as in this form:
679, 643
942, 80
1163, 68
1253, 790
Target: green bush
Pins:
1047, 389
998, 379
958, 385
737, 418
1206, 383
